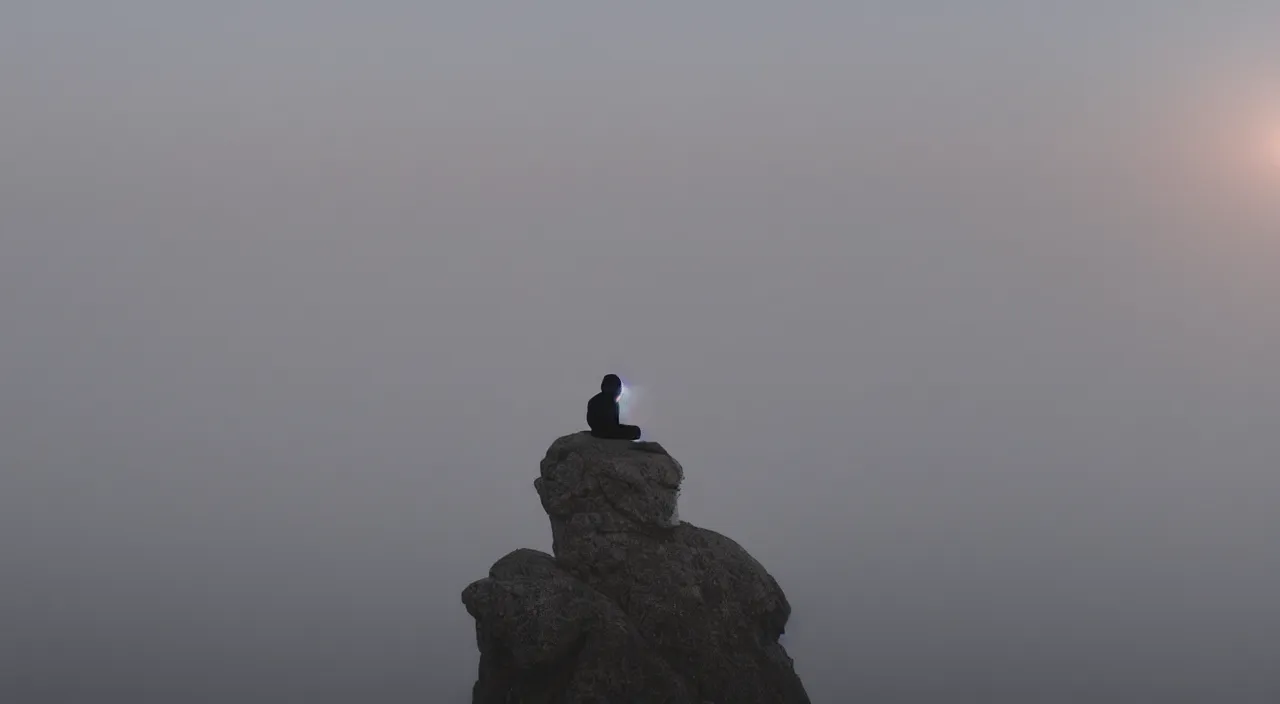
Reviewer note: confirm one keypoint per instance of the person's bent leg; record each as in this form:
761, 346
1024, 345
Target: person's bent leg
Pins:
621, 432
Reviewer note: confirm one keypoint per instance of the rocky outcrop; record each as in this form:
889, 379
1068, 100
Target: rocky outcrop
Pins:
635, 606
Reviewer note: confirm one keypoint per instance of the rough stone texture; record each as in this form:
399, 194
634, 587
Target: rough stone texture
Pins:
545, 637
635, 606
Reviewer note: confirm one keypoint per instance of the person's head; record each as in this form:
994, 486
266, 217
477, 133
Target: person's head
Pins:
611, 384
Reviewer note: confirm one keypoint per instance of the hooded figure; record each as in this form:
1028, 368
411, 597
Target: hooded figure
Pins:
602, 412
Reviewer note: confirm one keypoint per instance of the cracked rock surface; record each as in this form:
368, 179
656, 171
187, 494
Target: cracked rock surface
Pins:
635, 606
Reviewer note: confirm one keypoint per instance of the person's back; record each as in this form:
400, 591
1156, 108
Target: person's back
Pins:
602, 412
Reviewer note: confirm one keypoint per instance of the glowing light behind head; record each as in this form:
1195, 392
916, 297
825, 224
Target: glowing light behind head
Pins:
628, 399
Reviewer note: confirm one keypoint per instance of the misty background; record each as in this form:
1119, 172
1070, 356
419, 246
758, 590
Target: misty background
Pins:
961, 317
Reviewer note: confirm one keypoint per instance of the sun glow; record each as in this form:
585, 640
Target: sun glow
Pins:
1273, 147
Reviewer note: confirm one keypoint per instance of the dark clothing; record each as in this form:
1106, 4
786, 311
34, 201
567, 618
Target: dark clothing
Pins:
618, 432
602, 411
602, 417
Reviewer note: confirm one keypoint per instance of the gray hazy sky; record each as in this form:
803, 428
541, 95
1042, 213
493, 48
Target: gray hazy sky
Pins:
962, 317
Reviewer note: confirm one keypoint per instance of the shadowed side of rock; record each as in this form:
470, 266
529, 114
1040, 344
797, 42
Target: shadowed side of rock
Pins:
545, 637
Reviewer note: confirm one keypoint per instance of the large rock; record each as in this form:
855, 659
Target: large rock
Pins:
680, 605
545, 637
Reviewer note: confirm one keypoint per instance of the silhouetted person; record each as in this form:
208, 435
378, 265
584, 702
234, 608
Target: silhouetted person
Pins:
602, 412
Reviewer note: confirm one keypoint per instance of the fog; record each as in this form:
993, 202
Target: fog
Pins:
962, 320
